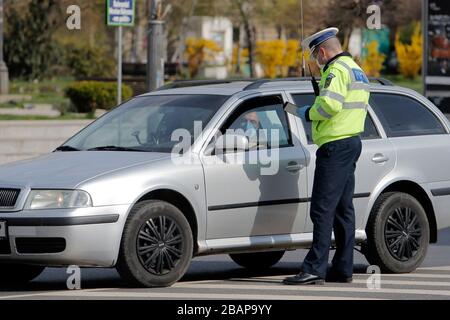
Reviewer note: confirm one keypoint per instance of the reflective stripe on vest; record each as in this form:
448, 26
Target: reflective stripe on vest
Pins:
323, 113
354, 105
355, 85
333, 95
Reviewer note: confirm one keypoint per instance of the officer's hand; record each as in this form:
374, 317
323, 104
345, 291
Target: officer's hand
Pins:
302, 111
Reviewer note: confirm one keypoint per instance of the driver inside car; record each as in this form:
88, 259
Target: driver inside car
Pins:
249, 124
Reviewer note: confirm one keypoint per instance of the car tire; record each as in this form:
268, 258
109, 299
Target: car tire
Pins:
17, 274
257, 260
151, 255
398, 233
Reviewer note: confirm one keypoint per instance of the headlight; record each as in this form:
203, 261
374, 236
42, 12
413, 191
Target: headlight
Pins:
58, 199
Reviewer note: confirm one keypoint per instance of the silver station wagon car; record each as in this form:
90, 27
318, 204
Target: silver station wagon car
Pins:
125, 191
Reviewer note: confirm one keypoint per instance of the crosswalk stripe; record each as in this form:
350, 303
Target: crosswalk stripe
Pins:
415, 275
363, 281
325, 288
29, 295
390, 275
441, 268
408, 283
194, 295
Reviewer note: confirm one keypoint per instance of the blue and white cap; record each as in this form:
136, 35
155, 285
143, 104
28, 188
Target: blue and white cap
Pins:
316, 39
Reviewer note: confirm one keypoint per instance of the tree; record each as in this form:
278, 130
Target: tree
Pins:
29, 49
350, 14
347, 15
244, 8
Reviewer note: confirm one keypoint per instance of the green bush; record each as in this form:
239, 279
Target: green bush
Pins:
85, 61
87, 96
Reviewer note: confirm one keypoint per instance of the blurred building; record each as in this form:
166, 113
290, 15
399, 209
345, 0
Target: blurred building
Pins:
218, 29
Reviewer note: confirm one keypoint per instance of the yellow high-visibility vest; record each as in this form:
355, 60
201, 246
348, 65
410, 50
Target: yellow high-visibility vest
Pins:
341, 109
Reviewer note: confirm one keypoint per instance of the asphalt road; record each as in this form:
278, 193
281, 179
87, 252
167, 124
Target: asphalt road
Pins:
217, 277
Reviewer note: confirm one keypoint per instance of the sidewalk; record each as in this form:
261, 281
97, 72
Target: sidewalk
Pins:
26, 139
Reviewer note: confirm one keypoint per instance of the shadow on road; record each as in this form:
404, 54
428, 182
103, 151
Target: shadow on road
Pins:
229, 271
208, 268
54, 279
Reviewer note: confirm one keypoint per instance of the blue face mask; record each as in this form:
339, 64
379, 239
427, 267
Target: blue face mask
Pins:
250, 129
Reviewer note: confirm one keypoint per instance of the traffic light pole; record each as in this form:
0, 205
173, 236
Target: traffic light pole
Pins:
155, 54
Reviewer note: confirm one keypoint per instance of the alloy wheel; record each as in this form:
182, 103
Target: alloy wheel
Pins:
159, 245
402, 233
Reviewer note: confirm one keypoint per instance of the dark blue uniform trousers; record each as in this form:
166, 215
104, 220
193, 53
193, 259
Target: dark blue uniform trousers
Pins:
332, 207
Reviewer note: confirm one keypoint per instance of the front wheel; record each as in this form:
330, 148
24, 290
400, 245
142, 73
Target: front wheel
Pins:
12, 274
398, 233
257, 260
156, 246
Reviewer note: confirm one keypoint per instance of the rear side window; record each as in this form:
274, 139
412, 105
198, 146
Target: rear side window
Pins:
403, 116
370, 131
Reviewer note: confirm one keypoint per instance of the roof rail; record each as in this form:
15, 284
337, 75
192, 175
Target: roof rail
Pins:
254, 83
195, 83
258, 83
382, 81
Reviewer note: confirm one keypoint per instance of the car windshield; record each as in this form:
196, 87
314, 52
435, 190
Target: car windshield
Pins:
146, 123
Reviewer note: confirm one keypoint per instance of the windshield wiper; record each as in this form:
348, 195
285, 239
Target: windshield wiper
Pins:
114, 148
66, 148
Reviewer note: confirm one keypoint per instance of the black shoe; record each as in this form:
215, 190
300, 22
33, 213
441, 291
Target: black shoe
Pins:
337, 277
303, 278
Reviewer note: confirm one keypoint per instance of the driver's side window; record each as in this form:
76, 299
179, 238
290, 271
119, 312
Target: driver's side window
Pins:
263, 121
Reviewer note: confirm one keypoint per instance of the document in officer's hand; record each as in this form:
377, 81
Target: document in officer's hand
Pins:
291, 108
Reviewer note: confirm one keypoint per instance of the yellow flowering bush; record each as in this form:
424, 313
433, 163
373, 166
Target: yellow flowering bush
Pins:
373, 62
410, 55
277, 56
199, 51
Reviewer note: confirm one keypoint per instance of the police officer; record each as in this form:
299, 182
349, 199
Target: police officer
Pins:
338, 116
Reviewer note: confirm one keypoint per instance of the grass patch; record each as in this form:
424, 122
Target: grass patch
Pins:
414, 84
11, 104
68, 116
49, 91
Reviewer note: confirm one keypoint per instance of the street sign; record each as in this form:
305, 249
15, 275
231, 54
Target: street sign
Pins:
120, 13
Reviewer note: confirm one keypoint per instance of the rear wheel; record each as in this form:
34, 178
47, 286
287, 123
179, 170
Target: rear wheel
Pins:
257, 260
398, 233
12, 274
156, 246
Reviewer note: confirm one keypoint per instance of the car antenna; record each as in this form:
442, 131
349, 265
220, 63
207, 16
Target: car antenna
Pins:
302, 36
313, 79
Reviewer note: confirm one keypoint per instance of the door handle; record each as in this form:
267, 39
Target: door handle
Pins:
294, 167
380, 158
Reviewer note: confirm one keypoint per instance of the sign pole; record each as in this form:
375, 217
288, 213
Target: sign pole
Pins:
155, 40
119, 65
120, 13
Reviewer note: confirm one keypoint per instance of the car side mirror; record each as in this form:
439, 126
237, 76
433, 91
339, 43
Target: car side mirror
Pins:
230, 143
